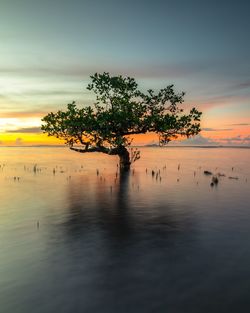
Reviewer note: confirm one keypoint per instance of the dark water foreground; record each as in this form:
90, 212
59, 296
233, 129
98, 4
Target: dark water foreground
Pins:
77, 237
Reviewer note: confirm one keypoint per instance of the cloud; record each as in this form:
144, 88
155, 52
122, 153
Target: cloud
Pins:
241, 86
141, 70
29, 113
53, 92
25, 114
45, 93
208, 129
236, 140
221, 100
198, 140
27, 130
19, 141
240, 124
247, 138
206, 94
157, 70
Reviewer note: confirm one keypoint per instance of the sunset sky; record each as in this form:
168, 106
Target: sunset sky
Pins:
50, 48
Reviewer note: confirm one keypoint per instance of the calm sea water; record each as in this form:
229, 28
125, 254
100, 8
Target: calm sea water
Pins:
75, 236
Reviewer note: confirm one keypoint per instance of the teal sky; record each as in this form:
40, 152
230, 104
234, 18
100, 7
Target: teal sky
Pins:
50, 48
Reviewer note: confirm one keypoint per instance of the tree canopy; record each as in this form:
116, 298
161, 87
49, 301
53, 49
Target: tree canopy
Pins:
121, 110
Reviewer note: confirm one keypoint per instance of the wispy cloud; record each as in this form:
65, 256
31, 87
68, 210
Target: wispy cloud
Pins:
157, 70
236, 140
240, 124
48, 93
26, 130
23, 114
208, 129
198, 140
240, 86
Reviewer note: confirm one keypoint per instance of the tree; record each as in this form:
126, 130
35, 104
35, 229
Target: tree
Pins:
121, 111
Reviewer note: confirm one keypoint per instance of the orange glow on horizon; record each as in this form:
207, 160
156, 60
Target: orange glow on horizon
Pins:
25, 139
21, 139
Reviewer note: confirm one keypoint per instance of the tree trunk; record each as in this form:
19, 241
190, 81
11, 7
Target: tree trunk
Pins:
124, 160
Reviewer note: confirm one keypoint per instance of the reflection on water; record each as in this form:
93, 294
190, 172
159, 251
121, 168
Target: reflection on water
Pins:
77, 237
114, 213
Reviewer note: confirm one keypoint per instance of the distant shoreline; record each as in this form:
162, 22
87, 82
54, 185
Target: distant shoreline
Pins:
196, 146
145, 146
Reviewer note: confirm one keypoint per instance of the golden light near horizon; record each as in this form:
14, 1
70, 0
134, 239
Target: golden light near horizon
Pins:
21, 139
23, 131
23, 105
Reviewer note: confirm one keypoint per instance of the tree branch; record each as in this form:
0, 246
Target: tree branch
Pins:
134, 132
109, 151
92, 149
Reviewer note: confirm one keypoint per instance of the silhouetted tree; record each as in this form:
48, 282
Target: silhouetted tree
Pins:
121, 111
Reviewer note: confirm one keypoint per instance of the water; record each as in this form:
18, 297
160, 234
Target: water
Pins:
77, 237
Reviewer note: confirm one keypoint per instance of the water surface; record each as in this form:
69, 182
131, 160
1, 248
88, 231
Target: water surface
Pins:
75, 236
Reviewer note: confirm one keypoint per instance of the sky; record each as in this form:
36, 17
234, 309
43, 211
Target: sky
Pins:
50, 48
